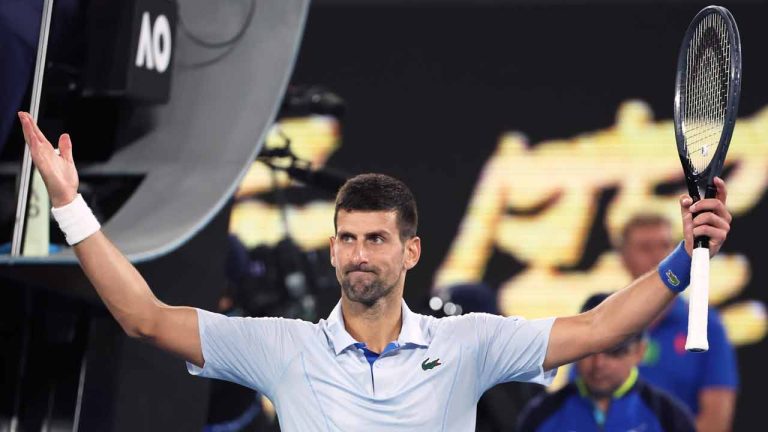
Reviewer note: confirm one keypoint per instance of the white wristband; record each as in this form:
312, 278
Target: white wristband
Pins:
76, 220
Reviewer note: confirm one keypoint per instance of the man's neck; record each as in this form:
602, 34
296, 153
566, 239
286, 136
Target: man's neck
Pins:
602, 403
376, 325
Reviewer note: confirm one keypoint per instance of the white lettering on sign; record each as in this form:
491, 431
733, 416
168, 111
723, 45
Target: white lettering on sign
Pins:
154, 52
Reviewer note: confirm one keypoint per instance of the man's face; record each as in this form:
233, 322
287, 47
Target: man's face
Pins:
645, 246
369, 257
604, 373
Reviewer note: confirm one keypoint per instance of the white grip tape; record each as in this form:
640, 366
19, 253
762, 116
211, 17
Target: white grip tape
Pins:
76, 220
698, 301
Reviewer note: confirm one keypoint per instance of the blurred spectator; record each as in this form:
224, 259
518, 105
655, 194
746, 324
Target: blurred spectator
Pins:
607, 395
706, 382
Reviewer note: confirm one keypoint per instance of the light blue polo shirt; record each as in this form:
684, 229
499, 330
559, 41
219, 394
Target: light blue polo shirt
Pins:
319, 380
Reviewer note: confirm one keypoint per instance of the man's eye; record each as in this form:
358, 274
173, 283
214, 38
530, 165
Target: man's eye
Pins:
377, 239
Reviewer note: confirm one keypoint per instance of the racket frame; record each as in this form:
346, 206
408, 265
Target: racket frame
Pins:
699, 287
734, 92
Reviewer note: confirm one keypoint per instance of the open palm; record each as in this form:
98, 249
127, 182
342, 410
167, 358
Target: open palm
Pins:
57, 168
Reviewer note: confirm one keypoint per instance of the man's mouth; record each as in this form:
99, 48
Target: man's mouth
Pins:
359, 271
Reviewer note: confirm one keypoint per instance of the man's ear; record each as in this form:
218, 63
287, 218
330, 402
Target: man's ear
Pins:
331, 243
412, 252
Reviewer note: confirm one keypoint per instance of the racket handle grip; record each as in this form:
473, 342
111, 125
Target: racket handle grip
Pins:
698, 307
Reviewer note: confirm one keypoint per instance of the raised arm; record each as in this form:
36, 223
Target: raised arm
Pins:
633, 308
118, 283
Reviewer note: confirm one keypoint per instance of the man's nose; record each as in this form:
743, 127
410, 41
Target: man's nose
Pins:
359, 254
599, 359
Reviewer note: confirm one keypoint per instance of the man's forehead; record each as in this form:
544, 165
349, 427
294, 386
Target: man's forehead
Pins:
366, 220
647, 233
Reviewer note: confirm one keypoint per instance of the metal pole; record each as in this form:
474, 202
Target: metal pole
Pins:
26, 168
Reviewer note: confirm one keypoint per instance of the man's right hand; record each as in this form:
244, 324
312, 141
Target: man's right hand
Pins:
58, 170
121, 287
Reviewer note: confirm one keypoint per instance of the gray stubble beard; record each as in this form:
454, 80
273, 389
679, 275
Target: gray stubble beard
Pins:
369, 294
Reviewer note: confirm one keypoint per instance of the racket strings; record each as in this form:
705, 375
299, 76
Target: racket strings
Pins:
706, 90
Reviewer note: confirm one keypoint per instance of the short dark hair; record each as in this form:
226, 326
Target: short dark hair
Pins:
379, 192
594, 300
642, 220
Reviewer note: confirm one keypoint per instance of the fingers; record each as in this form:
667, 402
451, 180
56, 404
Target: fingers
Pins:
38, 133
65, 148
687, 215
713, 205
35, 147
26, 128
716, 235
32, 134
714, 222
40, 149
710, 219
722, 193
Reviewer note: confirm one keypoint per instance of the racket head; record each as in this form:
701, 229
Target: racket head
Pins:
707, 90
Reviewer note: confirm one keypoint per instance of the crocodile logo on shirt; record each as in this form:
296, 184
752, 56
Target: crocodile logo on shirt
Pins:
427, 365
672, 278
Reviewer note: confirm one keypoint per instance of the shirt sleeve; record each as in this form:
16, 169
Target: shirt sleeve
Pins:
252, 352
720, 368
512, 349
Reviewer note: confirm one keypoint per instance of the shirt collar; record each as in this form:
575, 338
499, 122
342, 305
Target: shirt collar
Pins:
410, 331
623, 389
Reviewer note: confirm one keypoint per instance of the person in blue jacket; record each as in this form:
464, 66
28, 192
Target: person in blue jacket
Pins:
706, 382
607, 395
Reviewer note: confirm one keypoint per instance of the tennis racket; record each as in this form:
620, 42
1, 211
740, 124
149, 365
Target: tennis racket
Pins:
707, 90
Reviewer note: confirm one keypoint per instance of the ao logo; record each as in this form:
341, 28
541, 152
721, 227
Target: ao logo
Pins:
154, 51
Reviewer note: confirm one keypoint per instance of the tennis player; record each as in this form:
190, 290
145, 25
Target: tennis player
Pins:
372, 364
